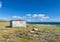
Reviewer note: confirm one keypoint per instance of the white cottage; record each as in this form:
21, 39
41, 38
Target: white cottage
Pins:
18, 23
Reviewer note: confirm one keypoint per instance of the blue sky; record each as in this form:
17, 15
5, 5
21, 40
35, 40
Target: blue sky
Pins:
30, 10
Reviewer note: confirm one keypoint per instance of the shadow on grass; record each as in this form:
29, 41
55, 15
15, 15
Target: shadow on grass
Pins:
8, 26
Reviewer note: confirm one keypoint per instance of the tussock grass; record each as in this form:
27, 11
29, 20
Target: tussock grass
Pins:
11, 32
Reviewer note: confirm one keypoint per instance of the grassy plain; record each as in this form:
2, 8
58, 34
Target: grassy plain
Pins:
11, 34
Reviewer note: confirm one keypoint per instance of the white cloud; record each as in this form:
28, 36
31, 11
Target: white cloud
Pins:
23, 17
45, 17
19, 17
32, 17
29, 20
0, 4
41, 15
16, 17
35, 15
28, 14
38, 15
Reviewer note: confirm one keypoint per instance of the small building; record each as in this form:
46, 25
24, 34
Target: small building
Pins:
18, 23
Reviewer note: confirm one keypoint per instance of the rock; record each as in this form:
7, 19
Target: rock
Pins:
35, 29
9, 40
32, 31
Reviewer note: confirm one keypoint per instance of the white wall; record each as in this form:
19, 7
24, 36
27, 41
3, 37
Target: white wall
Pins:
18, 24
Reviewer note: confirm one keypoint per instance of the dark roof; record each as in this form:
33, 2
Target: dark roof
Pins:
17, 20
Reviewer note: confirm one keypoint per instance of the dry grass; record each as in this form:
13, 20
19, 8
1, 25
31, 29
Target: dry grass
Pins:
8, 34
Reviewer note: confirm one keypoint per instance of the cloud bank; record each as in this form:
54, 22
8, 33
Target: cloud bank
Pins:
32, 17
